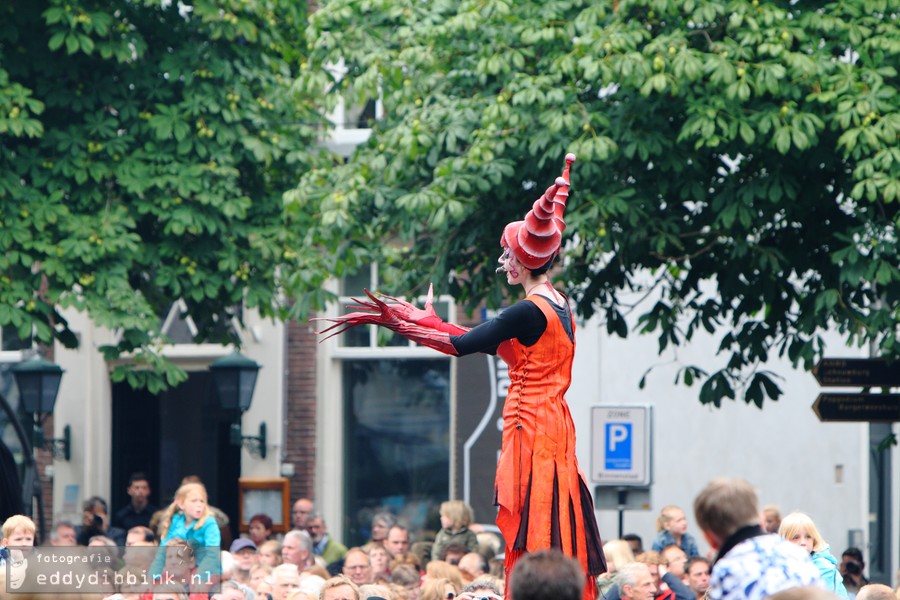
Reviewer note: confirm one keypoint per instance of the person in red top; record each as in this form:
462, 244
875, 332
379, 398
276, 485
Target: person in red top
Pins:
542, 496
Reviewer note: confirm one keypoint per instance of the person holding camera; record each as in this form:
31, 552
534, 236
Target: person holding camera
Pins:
851, 567
95, 521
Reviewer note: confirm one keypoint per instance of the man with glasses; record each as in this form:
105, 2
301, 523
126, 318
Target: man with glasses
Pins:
357, 567
674, 559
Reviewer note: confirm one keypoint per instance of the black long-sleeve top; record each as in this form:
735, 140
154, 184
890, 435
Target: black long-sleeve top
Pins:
523, 321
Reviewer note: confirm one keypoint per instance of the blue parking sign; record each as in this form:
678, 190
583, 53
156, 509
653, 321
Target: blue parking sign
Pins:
618, 454
620, 445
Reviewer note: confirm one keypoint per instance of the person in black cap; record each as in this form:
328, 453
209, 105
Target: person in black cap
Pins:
243, 551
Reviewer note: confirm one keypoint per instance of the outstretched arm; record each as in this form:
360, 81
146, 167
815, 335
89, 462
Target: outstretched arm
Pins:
378, 312
523, 320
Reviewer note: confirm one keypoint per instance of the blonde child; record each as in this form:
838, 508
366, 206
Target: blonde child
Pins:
18, 530
672, 527
798, 528
456, 516
190, 519
269, 554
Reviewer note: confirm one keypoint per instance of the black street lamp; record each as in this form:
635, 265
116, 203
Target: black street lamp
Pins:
38, 382
234, 377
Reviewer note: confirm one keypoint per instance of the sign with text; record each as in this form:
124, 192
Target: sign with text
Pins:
857, 372
870, 408
620, 445
104, 570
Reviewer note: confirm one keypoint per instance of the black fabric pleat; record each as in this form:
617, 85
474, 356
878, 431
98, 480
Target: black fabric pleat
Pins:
521, 542
573, 527
596, 559
555, 535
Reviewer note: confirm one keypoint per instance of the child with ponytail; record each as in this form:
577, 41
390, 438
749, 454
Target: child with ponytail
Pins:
190, 519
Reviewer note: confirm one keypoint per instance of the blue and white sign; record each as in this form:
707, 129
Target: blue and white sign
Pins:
618, 454
620, 445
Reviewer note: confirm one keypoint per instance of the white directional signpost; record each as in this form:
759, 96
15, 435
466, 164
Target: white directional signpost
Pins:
620, 452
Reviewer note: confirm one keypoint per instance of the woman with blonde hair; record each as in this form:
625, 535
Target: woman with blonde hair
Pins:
798, 528
336, 582
439, 569
438, 588
617, 553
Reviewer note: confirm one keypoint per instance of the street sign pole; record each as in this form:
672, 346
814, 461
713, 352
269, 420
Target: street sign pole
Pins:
879, 411
621, 454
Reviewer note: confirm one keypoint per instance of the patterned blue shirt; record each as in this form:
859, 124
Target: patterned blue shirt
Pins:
759, 567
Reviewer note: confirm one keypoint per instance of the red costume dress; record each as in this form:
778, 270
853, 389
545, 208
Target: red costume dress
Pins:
544, 501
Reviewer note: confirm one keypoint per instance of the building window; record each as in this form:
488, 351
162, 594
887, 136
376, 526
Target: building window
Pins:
377, 337
10, 341
397, 440
396, 399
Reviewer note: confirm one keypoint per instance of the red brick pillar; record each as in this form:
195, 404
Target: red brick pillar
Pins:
300, 429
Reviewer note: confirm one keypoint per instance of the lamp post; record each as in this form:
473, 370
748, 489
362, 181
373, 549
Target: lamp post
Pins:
38, 382
234, 377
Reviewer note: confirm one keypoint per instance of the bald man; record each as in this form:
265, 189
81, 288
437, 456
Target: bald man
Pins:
875, 591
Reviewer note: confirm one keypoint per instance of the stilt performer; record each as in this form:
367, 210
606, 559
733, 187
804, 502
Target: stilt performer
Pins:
542, 496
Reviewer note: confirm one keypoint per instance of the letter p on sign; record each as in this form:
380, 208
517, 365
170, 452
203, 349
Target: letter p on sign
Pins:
618, 446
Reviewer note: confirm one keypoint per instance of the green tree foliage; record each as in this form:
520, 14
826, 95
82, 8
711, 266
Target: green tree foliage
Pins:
737, 164
144, 150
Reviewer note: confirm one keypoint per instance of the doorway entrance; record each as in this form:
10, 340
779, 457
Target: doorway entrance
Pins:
173, 434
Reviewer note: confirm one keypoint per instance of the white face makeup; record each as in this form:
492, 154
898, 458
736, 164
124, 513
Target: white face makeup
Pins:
508, 264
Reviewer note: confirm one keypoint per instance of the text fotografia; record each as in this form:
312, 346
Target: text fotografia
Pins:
112, 569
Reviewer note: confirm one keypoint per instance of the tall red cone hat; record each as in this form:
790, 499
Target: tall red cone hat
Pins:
537, 238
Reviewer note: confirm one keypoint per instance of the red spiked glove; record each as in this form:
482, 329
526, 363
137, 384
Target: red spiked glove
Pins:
426, 317
379, 313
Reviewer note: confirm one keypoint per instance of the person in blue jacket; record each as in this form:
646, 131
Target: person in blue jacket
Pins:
798, 528
189, 518
672, 526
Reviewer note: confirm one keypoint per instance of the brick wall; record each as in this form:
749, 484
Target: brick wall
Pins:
301, 408
43, 459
